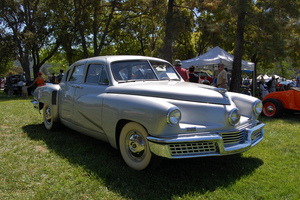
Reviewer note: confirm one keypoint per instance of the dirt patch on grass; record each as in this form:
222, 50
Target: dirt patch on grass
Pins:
41, 149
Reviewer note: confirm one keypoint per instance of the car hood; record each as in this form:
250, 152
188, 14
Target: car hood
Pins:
173, 90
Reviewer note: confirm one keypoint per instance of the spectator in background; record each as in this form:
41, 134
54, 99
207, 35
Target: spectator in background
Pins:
298, 81
246, 91
39, 80
19, 86
59, 76
263, 89
193, 77
273, 84
183, 73
9, 82
215, 76
228, 77
53, 79
246, 81
24, 91
293, 83
222, 77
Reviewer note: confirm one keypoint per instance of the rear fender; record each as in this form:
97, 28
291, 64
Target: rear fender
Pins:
48, 95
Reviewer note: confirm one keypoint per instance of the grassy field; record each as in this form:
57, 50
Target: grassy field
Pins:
38, 164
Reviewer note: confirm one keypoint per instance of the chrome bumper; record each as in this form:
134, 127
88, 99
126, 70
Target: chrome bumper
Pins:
208, 144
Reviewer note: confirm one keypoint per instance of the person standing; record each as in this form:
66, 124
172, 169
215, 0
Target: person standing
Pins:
39, 80
9, 82
273, 84
228, 78
298, 81
222, 77
59, 76
183, 73
263, 90
193, 77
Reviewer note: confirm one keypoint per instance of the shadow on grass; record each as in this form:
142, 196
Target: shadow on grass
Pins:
172, 178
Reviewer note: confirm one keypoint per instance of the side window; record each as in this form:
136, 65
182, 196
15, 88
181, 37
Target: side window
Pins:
93, 74
103, 77
67, 75
77, 74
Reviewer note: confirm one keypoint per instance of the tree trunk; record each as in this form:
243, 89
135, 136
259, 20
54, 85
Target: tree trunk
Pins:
238, 53
168, 40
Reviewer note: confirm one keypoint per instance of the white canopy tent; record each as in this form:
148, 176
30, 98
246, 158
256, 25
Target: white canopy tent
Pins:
214, 57
267, 78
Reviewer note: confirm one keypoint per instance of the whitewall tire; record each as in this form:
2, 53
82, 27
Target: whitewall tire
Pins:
134, 146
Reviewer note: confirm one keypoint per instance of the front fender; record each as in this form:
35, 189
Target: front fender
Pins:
244, 103
150, 112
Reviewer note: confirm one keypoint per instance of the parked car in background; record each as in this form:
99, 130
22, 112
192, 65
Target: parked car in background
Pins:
205, 76
141, 106
15, 79
275, 104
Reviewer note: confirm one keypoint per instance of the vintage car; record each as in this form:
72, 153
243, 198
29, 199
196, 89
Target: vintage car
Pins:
15, 88
276, 103
141, 106
204, 76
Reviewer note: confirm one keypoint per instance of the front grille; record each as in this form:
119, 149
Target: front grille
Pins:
256, 135
234, 137
192, 148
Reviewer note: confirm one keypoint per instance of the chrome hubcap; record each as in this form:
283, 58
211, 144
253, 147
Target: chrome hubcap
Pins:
136, 145
270, 109
48, 115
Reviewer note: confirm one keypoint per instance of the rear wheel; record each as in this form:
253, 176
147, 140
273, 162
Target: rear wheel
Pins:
272, 108
49, 122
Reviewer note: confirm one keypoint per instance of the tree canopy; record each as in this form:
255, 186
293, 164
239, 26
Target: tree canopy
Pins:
34, 32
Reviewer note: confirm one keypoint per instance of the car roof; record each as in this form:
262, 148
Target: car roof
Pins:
113, 58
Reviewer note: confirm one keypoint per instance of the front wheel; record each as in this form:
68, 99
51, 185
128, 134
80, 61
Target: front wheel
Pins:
134, 146
49, 122
272, 108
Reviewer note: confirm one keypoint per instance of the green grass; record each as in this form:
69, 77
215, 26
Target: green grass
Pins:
38, 164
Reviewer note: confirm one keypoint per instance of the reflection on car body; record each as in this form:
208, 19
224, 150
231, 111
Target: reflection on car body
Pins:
151, 115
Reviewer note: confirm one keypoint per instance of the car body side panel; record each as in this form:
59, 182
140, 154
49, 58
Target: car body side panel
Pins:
88, 106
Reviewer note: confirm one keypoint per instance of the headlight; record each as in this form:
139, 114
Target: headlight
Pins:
173, 116
234, 116
257, 107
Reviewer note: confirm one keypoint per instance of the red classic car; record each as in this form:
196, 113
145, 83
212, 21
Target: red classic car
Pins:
205, 76
276, 103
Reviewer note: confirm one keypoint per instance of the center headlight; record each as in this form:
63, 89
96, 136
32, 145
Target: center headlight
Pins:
173, 116
234, 116
257, 107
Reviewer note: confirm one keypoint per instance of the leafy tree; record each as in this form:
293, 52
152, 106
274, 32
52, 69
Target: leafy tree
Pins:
7, 53
29, 25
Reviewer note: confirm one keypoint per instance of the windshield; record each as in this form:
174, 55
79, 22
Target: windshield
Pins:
143, 70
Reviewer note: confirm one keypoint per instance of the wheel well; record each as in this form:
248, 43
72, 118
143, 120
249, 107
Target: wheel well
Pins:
119, 128
41, 105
